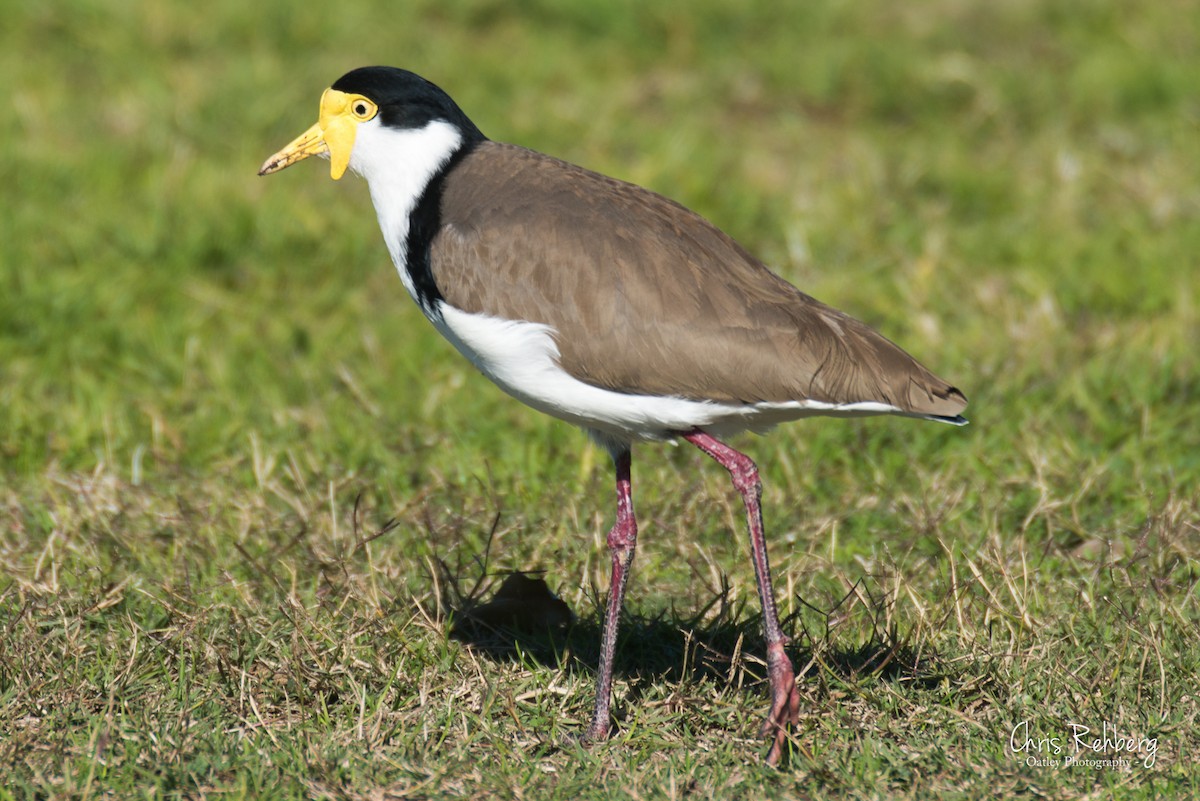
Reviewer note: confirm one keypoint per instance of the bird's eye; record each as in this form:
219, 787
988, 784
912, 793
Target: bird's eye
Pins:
363, 109
360, 109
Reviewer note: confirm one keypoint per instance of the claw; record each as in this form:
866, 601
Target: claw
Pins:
588, 737
596, 732
785, 701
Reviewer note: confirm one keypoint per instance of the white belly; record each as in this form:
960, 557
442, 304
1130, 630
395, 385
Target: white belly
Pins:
523, 360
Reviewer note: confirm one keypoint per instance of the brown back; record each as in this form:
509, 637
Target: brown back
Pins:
647, 297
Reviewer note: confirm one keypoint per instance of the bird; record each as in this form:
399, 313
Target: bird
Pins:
611, 307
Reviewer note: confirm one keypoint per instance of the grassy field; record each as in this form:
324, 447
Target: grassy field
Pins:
244, 486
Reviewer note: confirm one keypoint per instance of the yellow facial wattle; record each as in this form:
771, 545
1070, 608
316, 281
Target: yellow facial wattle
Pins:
332, 136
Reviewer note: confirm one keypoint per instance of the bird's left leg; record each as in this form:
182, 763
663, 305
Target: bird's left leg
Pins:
622, 540
785, 700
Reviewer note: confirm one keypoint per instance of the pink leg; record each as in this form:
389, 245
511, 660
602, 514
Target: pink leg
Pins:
785, 700
622, 540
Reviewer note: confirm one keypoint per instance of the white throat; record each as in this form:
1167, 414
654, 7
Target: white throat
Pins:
398, 165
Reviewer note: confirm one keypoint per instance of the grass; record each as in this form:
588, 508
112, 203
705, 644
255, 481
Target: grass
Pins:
243, 484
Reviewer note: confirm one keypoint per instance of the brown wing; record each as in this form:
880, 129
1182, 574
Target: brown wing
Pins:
648, 297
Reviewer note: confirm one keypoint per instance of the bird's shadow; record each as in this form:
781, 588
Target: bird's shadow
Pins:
720, 641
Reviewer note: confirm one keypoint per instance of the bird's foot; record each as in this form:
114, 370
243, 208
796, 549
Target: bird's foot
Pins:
596, 733
785, 701
599, 730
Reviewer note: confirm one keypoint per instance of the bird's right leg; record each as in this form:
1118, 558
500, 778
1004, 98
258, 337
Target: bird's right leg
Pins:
622, 540
781, 675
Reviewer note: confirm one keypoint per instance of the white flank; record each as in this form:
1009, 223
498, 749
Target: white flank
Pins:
522, 359
398, 165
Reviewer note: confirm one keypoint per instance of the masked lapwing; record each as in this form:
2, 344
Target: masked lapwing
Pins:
609, 306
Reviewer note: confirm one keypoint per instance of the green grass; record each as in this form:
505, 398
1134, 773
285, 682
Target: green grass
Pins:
243, 482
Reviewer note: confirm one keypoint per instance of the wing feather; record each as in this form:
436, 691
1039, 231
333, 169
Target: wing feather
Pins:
647, 297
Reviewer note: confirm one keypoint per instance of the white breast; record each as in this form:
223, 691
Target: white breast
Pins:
398, 165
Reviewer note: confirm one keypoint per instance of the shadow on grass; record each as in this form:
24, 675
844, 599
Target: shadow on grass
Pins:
721, 642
